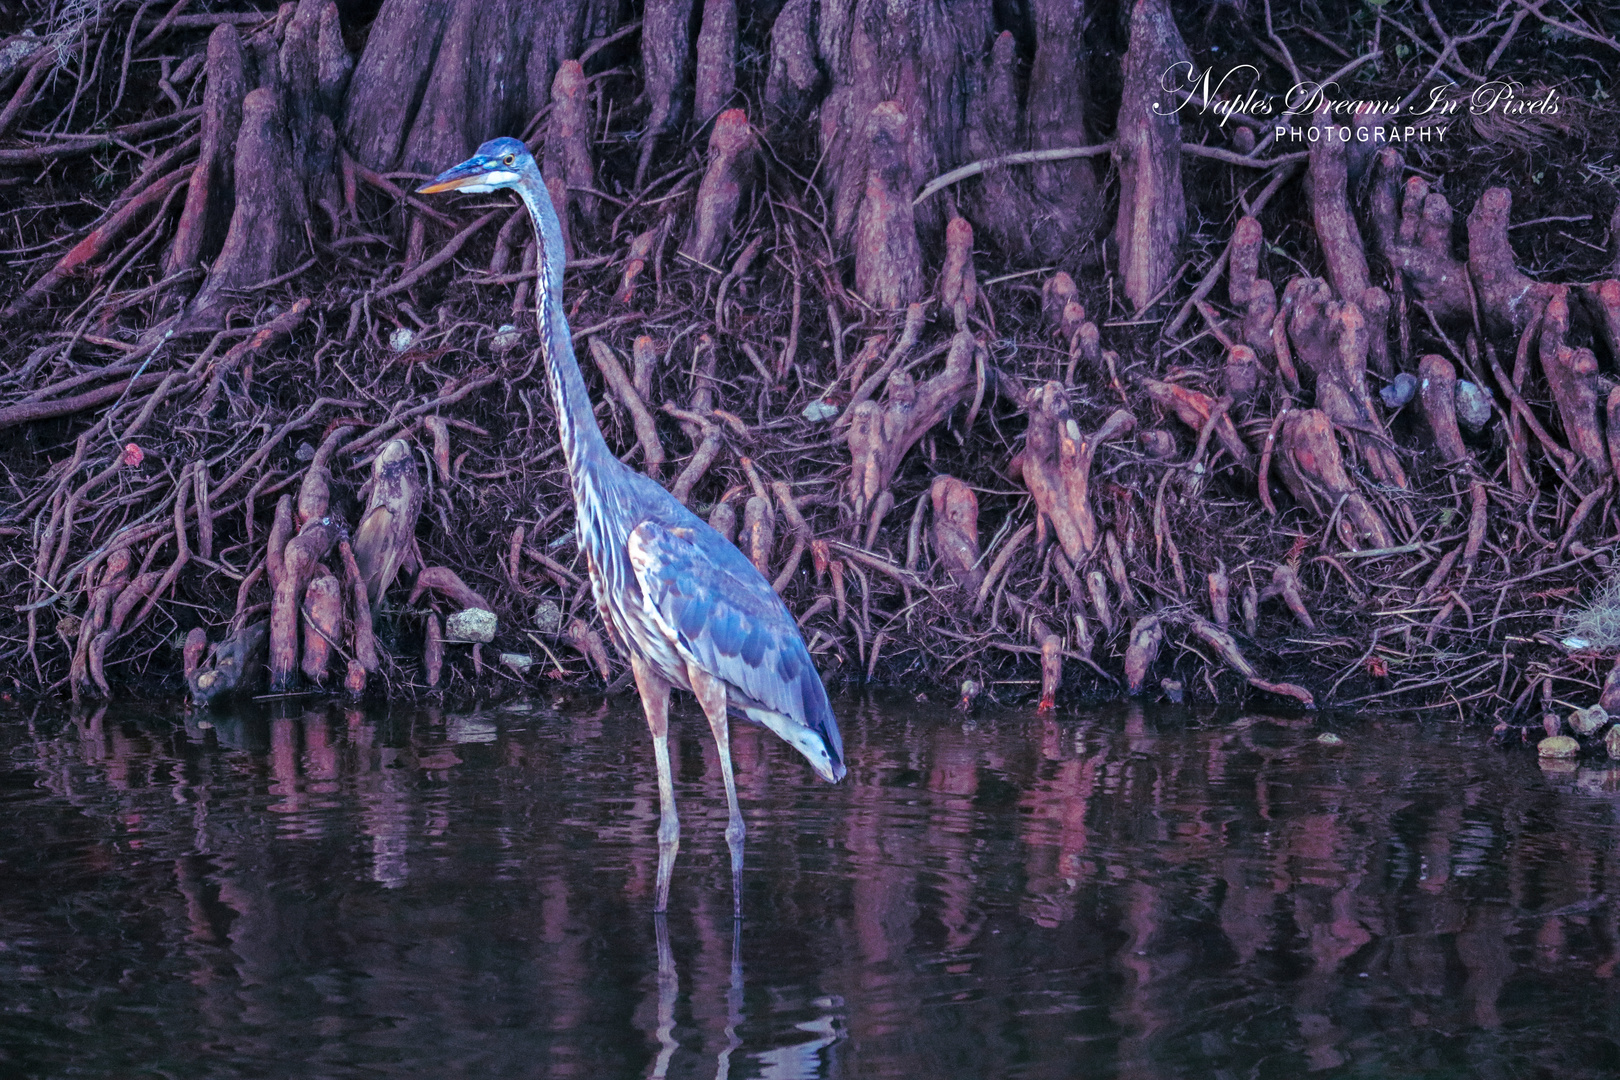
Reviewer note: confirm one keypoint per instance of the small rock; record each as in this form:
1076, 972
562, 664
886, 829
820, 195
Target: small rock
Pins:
18, 51
1327, 738
401, 339
817, 411
305, 452
1551, 724
507, 337
1158, 443
1588, 721
548, 617
471, 624
1558, 746
518, 662
1576, 644
1611, 742
1173, 690
1400, 390
1473, 405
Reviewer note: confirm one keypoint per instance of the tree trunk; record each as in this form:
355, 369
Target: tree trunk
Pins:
1152, 207
924, 55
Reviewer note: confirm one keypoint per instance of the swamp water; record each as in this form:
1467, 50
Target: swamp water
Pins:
1116, 892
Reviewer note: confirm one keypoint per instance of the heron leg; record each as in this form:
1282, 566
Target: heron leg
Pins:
711, 694
654, 690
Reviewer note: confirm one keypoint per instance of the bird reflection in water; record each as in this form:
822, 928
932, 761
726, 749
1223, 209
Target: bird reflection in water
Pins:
797, 1061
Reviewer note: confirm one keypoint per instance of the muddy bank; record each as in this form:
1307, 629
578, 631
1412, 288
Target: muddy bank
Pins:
1008, 365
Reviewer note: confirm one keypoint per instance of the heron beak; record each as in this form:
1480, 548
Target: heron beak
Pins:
469, 174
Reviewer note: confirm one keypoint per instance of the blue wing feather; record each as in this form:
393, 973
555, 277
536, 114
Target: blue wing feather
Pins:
729, 621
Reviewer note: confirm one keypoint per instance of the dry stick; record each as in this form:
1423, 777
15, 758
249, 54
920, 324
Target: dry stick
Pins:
1507, 37
707, 450
98, 242
1529, 417
906, 580
182, 554
790, 351
1206, 284
129, 51
1582, 511
1568, 28
514, 557
76, 381
607, 362
85, 144
1438, 577
552, 565
916, 316
270, 443
382, 183
1265, 460
1230, 157
739, 267
1001, 564
800, 529
1024, 157
163, 24
446, 397
21, 99
205, 513
1476, 526
243, 590
444, 255
914, 533
46, 410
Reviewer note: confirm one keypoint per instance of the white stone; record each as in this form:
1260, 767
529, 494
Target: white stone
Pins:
471, 624
507, 337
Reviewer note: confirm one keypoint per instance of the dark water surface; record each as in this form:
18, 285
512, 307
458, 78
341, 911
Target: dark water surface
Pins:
1113, 893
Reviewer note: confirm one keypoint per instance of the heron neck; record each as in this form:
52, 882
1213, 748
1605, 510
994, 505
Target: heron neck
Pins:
581, 437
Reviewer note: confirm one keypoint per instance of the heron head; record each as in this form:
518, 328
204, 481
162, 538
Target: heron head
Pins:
821, 755
499, 163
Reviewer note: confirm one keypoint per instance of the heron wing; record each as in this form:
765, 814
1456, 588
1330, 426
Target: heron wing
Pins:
722, 615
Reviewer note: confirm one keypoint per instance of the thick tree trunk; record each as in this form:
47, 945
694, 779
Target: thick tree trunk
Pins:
207, 212
666, 66
1071, 208
716, 58
1152, 207
926, 56
438, 77
794, 79
267, 226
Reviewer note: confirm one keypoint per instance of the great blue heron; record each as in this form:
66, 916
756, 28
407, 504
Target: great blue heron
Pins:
686, 607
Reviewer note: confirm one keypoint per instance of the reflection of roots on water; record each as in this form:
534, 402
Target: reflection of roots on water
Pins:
799, 1061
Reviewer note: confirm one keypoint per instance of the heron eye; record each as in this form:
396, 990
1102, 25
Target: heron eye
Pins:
509, 160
